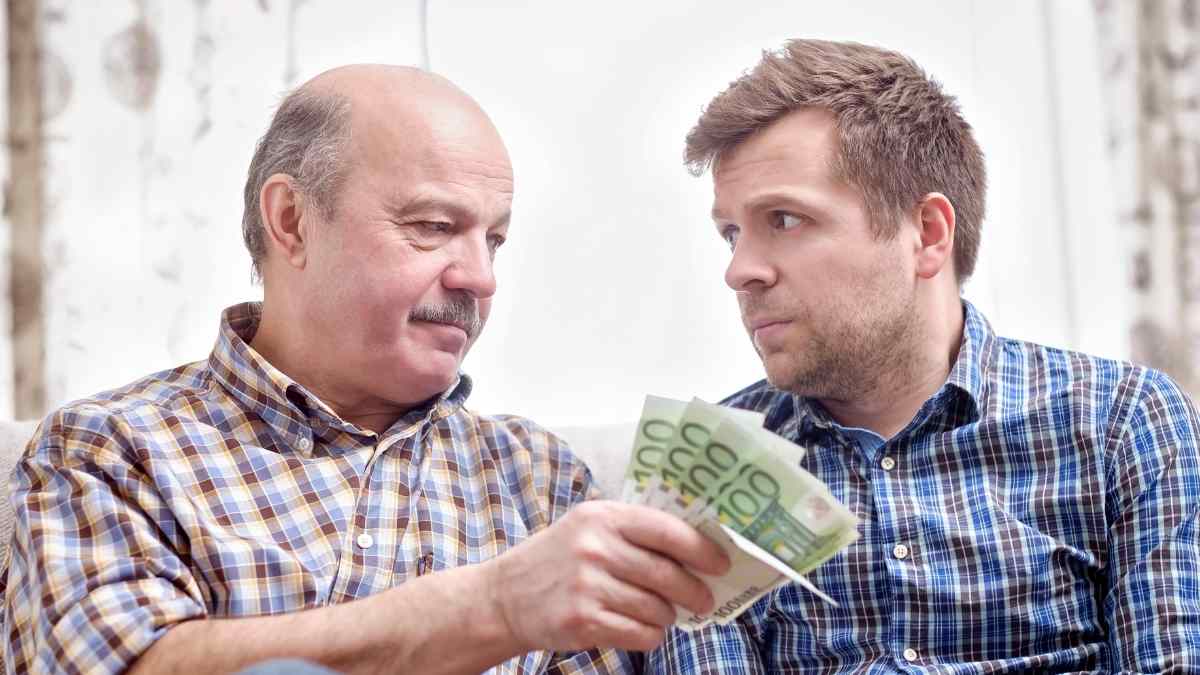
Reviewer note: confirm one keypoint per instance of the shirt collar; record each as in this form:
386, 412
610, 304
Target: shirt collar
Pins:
294, 413
968, 376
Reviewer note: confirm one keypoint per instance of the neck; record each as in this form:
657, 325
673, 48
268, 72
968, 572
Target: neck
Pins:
287, 349
890, 403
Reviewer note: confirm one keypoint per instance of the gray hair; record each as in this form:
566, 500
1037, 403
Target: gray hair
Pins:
306, 140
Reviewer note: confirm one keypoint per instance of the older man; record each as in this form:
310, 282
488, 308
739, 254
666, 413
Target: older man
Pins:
1024, 508
316, 489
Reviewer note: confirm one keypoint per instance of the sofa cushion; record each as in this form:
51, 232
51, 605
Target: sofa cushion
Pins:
604, 448
13, 438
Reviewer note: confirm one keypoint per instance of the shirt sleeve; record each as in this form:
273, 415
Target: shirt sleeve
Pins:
714, 650
1152, 604
559, 479
91, 581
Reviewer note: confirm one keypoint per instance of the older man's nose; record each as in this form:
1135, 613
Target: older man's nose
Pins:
471, 270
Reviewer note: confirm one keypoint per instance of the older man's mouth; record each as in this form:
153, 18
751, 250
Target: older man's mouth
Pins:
449, 337
465, 328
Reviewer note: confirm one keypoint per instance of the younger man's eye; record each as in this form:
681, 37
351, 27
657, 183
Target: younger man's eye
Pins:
730, 234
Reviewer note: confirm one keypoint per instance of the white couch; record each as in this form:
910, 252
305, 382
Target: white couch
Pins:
604, 448
13, 436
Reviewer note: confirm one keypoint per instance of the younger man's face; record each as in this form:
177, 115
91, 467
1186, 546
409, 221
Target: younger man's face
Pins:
827, 305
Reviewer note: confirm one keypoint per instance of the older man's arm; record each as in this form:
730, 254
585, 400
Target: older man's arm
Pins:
603, 575
434, 623
99, 580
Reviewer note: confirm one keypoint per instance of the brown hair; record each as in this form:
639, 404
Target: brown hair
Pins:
901, 137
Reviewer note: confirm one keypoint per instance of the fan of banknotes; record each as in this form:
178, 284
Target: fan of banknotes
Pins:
742, 486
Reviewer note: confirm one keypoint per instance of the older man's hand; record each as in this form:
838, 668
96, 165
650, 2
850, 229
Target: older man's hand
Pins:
605, 575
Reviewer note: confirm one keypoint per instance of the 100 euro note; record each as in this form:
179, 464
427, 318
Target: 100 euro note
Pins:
674, 488
656, 437
730, 447
655, 428
668, 488
680, 453
772, 501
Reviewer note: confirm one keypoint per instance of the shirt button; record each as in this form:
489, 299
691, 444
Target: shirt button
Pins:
910, 654
365, 540
887, 463
304, 443
901, 552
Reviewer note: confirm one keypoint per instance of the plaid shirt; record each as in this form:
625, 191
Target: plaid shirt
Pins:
1038, 514
223, 488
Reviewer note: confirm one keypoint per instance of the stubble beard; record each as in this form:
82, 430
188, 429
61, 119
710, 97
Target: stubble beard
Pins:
850, 353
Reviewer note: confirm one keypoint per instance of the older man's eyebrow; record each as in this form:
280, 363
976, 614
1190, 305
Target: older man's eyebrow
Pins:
426, 205
420, 204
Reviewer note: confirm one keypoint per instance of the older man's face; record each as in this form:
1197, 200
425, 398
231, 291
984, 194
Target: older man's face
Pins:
403, 278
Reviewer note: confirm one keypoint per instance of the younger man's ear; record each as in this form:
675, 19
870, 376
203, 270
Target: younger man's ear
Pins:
935, 218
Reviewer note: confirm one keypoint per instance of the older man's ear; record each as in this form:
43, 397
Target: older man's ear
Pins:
282, 208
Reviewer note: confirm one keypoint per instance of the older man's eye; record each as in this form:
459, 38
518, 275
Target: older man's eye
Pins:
495, 241
435, 227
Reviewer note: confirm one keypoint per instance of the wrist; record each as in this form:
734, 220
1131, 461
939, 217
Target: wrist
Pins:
495, 588
455, 626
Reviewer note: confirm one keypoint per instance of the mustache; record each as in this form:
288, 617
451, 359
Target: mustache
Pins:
460, 310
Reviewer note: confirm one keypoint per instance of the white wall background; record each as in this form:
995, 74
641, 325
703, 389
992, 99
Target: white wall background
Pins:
611, 284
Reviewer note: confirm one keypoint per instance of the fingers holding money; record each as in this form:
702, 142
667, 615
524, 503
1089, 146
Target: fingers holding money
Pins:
637, 603
614, 629
654, 530
663, 577
593, 579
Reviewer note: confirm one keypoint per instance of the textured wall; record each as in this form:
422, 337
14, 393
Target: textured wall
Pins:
156, 107
25, 204
611, 284
1151, 61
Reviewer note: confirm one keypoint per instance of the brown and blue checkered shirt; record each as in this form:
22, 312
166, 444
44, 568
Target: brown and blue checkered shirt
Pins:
223, 488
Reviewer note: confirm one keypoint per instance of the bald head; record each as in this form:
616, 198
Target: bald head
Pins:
363, 82
344, 116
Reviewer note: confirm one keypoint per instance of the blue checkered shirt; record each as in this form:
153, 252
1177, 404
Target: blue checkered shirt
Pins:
1038, 514
225, 489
